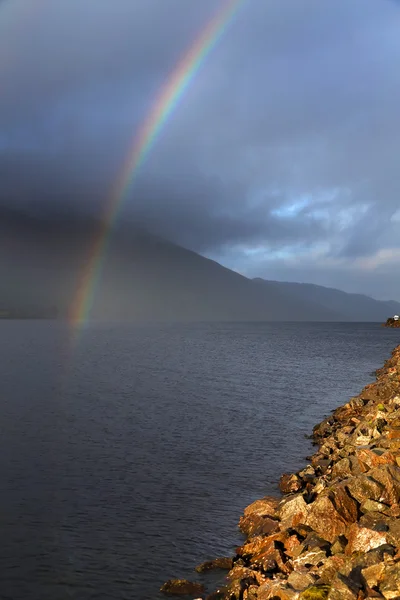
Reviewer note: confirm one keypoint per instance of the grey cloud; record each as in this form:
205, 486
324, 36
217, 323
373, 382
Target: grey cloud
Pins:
298, 100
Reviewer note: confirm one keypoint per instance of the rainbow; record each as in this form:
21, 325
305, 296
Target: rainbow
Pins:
165, 103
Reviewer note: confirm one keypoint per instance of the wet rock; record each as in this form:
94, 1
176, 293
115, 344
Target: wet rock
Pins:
217, 563
290, 483
181, 587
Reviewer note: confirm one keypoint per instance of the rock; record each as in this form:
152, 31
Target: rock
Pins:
390, 587
362, 539
373, 457
373, 575
345, 505
181, 587
325, 520
289, 484
263, 507
363, 487
373, 506
335, 564
217, 563
389, 478
256, 525
308, 558
293, 511
276, 590
343, 588
251, 593
300, 581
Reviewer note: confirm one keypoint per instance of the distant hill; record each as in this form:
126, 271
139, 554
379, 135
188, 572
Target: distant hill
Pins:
145, 277
352, 307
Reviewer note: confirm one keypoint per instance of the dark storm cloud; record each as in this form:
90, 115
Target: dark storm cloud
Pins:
280, 159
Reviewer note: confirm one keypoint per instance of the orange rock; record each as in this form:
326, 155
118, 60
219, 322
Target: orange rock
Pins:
362, 539
293, 511
263, 507
325, 520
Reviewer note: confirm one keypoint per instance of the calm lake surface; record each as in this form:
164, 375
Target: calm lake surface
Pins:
128, 455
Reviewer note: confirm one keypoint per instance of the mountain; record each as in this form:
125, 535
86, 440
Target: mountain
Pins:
143, 277
352, 307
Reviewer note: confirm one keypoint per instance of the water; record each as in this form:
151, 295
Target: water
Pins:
127, 459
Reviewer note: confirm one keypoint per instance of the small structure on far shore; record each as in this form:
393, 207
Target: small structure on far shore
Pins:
392, 322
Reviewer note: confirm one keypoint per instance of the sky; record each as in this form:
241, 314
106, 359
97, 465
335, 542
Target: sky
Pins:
280, 160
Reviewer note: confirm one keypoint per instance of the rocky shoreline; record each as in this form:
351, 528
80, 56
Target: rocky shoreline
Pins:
391, 323
335, 533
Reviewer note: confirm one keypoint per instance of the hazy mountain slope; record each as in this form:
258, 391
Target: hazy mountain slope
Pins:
354, 307
143, 277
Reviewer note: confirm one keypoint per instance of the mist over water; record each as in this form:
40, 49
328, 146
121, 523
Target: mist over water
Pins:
129, 460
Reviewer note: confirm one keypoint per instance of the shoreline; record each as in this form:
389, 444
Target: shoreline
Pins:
334, 534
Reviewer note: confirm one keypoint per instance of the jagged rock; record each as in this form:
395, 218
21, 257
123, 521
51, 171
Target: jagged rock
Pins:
344, 504
364, 487
343, 588
291, 545
373, 575
339, 545
362, 539
216, 563
181, 587
375, 520
293, 511
390, 587
389, 477
276, 590
251, 593
325, 520
258, 544
256, 525
300, 581
263, 507
373, 457
373, 506
335, 564
313, 557
290, 483
245, 574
